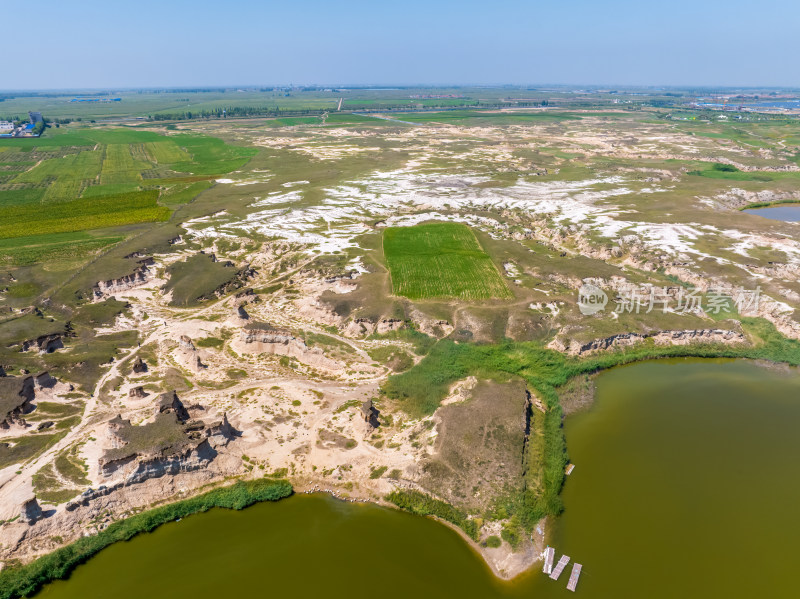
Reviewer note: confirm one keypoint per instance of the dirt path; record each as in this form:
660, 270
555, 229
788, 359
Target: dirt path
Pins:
18, 487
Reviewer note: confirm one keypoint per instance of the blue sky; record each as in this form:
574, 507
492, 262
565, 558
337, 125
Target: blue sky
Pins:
113, 43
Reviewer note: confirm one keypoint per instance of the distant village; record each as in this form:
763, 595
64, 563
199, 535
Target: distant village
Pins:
33, 128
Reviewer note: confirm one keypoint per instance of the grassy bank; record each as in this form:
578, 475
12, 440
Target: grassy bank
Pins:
24, 580
424, 505
755, 205
420, 391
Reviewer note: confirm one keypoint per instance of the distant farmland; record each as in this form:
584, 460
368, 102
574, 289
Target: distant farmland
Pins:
79, 215
441, 260
85, 179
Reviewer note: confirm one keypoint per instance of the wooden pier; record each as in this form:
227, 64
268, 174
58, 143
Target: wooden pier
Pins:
569, 469
562, 563
549, 555
573, 577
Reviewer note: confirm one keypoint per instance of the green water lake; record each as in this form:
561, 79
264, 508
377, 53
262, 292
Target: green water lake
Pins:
686, 485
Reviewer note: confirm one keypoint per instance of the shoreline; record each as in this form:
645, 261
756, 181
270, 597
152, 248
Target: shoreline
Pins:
28, 579
16, 582
504, 564
526, 559
520, 562
773, 204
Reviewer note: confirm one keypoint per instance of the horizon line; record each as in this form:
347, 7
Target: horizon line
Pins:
399, 86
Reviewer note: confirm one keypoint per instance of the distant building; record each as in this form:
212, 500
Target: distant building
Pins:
6, 126
35, 117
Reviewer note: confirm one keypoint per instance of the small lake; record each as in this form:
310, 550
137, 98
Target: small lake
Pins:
789, 214
686, 485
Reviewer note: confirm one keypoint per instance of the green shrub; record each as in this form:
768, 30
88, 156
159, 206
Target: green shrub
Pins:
494, 542
510, 534
236, 374
378, 472
214, 342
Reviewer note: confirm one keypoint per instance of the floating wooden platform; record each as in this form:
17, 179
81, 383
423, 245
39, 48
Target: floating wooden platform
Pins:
562, 563
573, 577
549, 555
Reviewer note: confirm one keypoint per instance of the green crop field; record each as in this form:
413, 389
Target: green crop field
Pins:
19, 197
97, 162
119, 165
97, 178
210, 156
20, 251
166, 152
441, 260
80, 215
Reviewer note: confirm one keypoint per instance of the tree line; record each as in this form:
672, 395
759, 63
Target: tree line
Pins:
234, 112
275, 111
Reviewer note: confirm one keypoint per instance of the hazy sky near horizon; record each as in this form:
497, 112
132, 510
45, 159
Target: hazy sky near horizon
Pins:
166, 43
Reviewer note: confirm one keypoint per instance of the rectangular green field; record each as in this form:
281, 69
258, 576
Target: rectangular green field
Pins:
119, 166
81, 215
166, 152
441, 261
